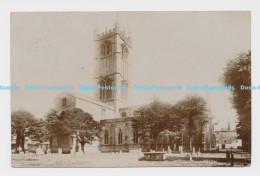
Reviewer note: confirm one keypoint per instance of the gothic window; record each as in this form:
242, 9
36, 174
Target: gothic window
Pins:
64, 102
123, 114
135, 137
120, 137
124, 52
109, 48
105, 94
102, 49
106, 137
106, 48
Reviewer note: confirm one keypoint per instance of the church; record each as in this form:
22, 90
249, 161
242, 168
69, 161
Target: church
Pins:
112, 67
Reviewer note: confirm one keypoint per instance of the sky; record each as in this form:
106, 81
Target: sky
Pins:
169, 48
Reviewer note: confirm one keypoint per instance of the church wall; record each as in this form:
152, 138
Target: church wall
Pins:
59, 104
113, 128
98, 112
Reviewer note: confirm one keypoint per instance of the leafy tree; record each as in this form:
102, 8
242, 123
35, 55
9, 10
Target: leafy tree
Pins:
160, 118
73, 121
39, 130
152, 120
237, 73
21, 123
190, 111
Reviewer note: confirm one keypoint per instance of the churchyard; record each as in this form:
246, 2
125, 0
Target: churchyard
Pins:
126, 160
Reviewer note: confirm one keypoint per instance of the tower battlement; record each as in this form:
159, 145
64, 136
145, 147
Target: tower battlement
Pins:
114, 31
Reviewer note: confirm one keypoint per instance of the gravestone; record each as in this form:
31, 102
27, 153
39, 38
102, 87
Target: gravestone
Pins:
72, 151
193, 150
169, 150
190, 157
60, 151
49, 151
199, 152
39, 151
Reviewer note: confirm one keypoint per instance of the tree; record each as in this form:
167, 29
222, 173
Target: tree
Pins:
73, 121
237, 73
190, 111
21, 123
152, 120
39, 130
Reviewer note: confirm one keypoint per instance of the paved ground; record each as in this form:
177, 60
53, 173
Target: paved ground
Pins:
122, 160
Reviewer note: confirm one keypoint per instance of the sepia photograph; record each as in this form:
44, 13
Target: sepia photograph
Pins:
130, 89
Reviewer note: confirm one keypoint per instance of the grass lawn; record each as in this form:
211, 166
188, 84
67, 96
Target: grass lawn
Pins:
124, 160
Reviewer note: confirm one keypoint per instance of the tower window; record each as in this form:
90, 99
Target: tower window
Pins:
102, 49
106, 137
123, 114
64, 102
124, 51
124, 64
120, 135
109, 48
105, 94
106, 48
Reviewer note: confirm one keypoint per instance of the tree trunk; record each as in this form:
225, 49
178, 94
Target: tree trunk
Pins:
17, 142
22, 142
82, 146
190, 144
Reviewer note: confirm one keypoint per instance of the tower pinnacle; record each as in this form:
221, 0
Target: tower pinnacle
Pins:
117, 21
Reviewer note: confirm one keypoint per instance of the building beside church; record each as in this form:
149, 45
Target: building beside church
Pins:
112, 67
226, 138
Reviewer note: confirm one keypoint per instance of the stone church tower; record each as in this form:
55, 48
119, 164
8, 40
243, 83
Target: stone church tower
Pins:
112, 66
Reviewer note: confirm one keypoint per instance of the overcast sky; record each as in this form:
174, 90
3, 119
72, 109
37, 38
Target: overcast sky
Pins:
169, 48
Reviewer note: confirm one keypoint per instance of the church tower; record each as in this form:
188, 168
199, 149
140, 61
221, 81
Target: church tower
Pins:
112, 66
